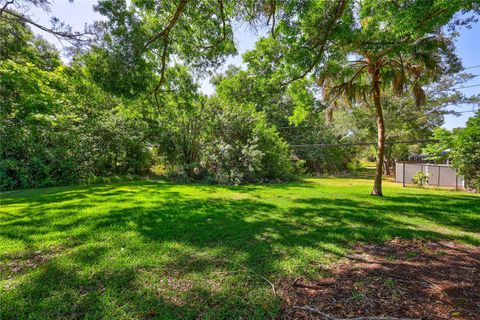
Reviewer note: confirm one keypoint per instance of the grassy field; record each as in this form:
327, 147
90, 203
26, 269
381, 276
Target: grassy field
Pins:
152, 249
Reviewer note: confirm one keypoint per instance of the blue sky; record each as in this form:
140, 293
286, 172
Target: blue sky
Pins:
80, 12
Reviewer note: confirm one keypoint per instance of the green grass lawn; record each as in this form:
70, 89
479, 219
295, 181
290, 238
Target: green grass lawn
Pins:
152, 249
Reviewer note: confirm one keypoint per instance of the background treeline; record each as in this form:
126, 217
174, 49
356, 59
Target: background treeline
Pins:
128, 101
60, 126
57, 126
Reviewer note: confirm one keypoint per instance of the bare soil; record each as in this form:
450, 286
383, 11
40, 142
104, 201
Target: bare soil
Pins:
401, 279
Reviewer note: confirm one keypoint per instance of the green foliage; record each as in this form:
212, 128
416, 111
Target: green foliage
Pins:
130, 100
117, 62
295, 112
404, 120
326, 159
466, 158
216, 138
355, 51
28, 107
139, 39
181, 141
51, 136
303, 102
17, 43
441, 150
65, 126
420, 178
244, 148
57, 127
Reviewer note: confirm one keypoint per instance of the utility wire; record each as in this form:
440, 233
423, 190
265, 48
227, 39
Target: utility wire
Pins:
321, 145
475, 85
467, 111
472, 67
295, 127
302, 127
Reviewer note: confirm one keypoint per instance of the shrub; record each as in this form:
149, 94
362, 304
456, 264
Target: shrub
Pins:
420, 178
244, 148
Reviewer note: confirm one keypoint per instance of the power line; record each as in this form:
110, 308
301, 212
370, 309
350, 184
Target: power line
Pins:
302, 127
475, 85
295, 127
472, 67
467, 111
322, 145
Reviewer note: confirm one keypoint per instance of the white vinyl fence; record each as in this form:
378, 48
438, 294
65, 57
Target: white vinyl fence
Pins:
440, 175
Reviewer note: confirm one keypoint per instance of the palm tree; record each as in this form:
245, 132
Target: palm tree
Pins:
361, 80
357, 49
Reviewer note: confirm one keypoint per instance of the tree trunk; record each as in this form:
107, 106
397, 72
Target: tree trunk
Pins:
388, 165
377, 186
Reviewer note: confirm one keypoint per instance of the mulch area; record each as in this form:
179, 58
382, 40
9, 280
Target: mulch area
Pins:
400, 279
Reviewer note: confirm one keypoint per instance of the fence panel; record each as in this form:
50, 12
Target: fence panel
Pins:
439, 175
434, 174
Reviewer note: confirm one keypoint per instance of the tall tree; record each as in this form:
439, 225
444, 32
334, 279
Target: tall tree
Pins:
357, 49
375, 68
404, 120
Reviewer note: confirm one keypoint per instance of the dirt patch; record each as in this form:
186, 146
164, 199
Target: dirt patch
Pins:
18, 263
400, 278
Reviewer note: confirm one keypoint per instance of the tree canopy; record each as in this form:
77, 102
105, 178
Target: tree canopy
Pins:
128, 99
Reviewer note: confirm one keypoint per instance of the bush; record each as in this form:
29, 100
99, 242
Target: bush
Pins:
243, 148
420, 178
